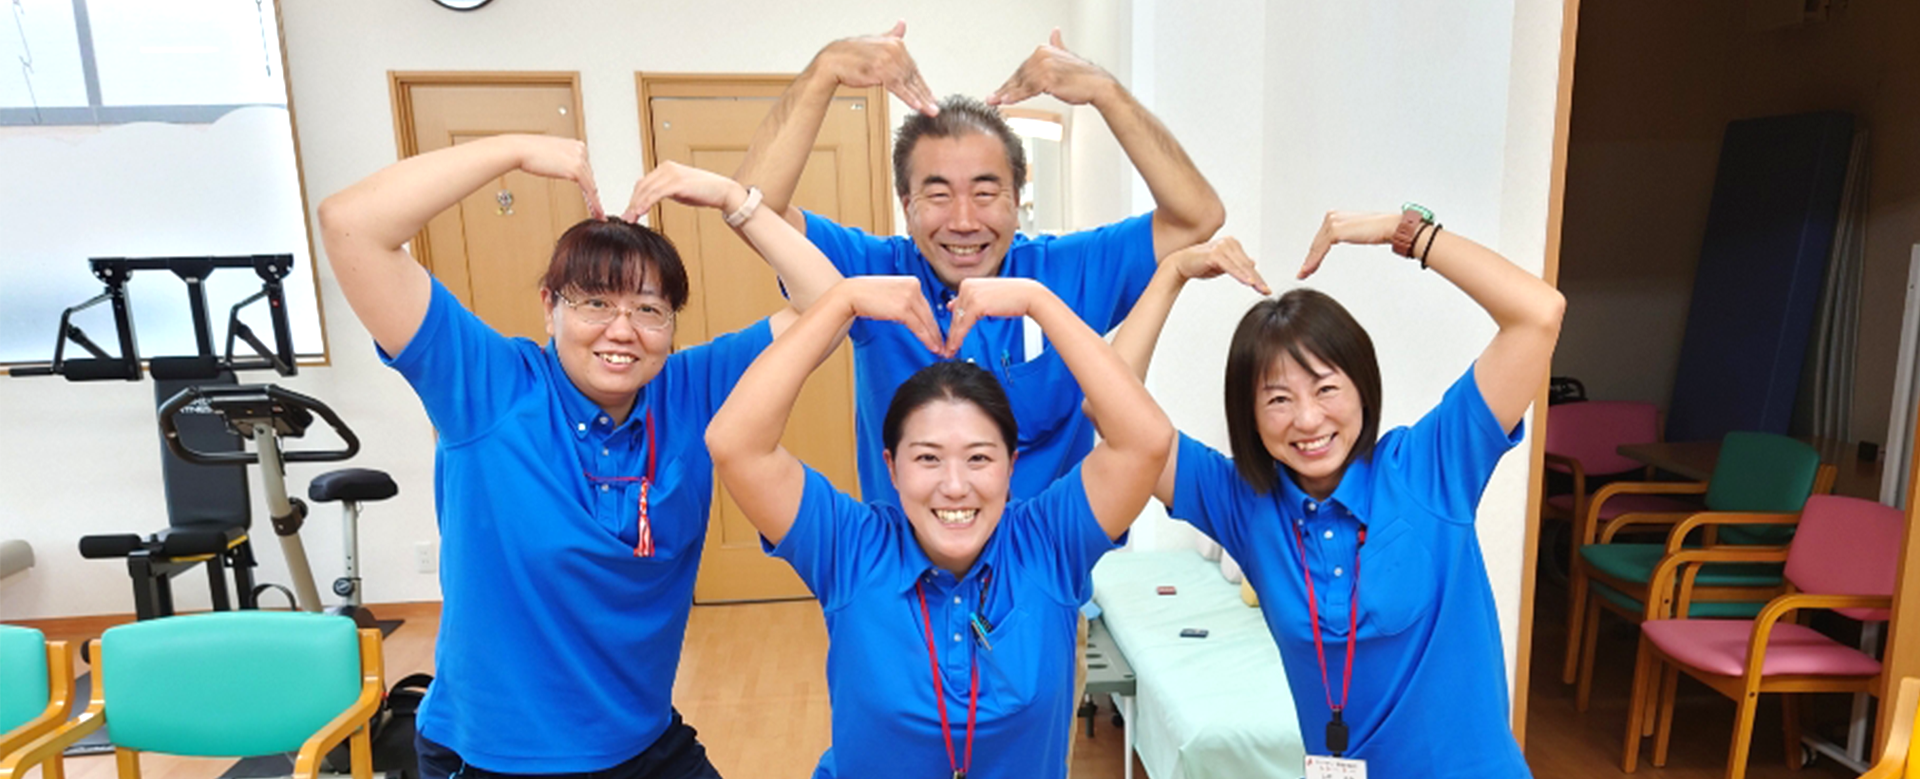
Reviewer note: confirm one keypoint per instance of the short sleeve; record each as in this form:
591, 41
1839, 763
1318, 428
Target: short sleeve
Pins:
714, 367
466, 373
853, 252
1056, 534
1208, 492
1449, 455
1099, 272
833, 542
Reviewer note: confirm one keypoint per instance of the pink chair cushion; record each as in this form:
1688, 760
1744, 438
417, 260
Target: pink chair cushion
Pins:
1847, 546
1590, 431
1719, 646
1631, 504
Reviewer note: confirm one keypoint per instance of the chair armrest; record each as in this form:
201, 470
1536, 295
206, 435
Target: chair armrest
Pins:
1622, 522
1678, 536
1661, 603
1592, 519
1787, 604
1893, 757
53, 745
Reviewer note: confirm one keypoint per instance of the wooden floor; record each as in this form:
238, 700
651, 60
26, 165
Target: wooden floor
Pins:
752, 683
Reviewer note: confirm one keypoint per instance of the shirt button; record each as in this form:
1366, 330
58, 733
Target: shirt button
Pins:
603, 488
1312, 506
956, 636
1339, 571
1329, 535
583, 427
956, 600
604, 420
604, 452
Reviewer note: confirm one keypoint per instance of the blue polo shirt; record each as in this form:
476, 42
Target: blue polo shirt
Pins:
863, 563
1429, 679
1098, 273
558, 646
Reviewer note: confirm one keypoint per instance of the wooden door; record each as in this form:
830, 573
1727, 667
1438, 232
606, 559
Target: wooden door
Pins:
492, 249
707, 122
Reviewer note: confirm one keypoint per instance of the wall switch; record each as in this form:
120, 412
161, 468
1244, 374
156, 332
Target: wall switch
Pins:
426, 557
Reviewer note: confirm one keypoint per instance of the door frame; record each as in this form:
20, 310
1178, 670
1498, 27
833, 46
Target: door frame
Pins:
400, 84
652, 84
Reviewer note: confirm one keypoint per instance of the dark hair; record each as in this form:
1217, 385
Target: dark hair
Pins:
950, 380
959, 115
608, 256
1300, 323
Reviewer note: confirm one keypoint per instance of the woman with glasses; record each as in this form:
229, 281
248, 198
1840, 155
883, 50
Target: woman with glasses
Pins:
951, 613
572, 479
1361, 542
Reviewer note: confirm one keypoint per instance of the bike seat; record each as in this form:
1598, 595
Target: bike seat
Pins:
355, 484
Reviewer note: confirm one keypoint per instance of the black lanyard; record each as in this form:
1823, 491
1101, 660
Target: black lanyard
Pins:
1337, 727
960, 769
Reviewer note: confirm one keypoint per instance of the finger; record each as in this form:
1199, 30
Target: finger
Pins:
1244, 268
957, 330
1015, 90
1054, 40
920, 321
899, 29
1322, 241
643, 200
590, 190
929, 104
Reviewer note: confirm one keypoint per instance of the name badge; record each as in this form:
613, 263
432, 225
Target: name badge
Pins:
1322, 767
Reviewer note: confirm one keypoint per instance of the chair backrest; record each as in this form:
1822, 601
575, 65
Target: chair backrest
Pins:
1592, 431
1847, 546
1761, 472
24, 687
227, 684
203, 495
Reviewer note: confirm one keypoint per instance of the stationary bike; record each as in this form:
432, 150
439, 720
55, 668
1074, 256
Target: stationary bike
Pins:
268, 414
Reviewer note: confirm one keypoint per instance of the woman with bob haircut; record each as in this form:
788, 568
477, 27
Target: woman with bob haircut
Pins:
572, 480
951, 615
1401, 671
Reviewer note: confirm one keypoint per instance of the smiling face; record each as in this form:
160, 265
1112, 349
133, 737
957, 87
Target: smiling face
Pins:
1310, 417
952, 468
961, 204
608, 362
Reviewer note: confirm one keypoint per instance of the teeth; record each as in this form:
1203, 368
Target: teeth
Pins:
617, 359
1316, 443
955, 516
966, 251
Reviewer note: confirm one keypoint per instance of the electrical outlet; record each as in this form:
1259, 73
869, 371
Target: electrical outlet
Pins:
426, 557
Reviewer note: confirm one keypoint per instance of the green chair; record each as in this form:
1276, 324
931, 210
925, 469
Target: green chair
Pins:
36, 688
227, 684
1759, 485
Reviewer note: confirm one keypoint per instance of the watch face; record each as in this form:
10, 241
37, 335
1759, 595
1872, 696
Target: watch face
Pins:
462, 5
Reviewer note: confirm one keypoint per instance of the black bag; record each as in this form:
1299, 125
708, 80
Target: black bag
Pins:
392, 732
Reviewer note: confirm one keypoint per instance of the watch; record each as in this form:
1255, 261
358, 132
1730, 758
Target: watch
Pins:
1413, 216
462, 5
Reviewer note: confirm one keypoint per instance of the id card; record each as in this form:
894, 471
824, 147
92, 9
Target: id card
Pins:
1323, 767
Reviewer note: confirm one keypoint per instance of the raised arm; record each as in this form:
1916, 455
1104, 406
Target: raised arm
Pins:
764, 478
807, 273
1186, 209
781, 145
1137, 336
1136, 435
1526, 309
366, 226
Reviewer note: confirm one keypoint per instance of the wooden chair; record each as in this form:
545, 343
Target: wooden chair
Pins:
1895, 761
1759, 484
227, 684
1844, 558
36, 688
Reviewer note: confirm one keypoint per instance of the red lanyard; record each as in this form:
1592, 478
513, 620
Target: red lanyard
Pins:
1336, 729
643, 547
960, 769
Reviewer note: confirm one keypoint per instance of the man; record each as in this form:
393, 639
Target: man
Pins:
958, 170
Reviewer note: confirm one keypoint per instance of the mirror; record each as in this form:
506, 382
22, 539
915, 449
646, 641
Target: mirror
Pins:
140, 129
1043, 196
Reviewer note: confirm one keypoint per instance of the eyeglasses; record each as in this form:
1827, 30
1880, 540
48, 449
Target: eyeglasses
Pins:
597, 312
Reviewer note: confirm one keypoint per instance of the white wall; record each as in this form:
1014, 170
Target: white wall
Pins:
77, 459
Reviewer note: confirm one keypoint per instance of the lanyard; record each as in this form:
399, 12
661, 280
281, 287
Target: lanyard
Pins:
1337, 727
643, 546
960, 769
